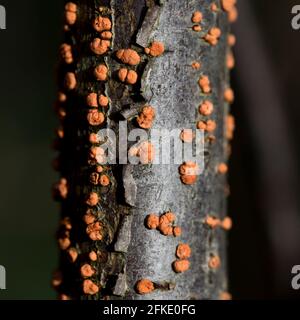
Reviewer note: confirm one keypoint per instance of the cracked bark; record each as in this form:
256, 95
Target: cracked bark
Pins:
128, 251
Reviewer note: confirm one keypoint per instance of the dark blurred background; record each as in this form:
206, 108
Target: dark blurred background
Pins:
264, 177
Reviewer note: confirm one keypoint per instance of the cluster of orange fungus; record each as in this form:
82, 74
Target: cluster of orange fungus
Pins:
197, 17
187, 135
61, 189
127, 76
156, 49
89, 287
73, 254
87, 271
231, 40
101, 72
213, 36
214, 262
97, 155
95, 117
189, 172
70, 81
146, 117
230, 61
99, 46
180, 266
229, 95
95, 231
206, 108
106, 35
222, 168
163, 223
225, 296
230, 7
230, 127
208, 126
196, 65
66, 53
183, 253
204, 84
93, 256
128, 56
214, 223
70, 13
93, 100
197, 28
144, 286
92, 199
89, 218
102, 24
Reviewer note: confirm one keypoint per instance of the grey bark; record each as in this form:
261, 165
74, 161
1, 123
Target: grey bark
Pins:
170, 85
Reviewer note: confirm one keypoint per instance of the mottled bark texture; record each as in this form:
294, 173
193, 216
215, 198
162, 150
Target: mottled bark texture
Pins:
126, 251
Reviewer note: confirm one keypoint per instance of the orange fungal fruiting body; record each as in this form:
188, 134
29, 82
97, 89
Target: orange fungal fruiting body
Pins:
177, 231
226, 223
64, 243
89, 218
230, 127
95, 231
73, 254
95, 118
92, 199
222, 168
104, 180
183, 251
180, 266
128, 56
91, 100
229, 95
70, 81
93, 256
206, 108
212, 222
66, 53
230, 8
152, 221
209, 125
99, 46
196, 65
103, 101
225, 296
144, 286
189, 172
89, 287
102, 24
156, 49
197, 17
213, 36
127, 76
87, 271
70, 13
146, 117
197, 28
214, 262
187, 135
204, 84
100, 72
